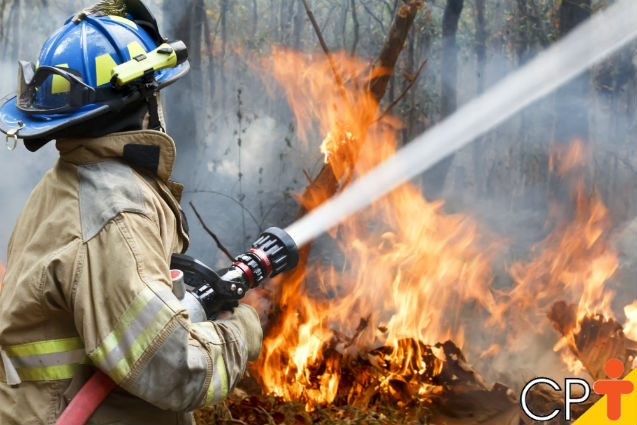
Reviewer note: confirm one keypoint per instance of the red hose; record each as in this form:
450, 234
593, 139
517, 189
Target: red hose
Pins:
87, 400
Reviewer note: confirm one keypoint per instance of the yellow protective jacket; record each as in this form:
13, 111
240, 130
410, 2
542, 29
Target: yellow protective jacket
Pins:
87, 286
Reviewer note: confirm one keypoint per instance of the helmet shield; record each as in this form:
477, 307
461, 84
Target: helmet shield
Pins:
67, 90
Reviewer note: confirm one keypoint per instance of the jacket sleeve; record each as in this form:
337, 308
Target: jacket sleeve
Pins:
136, 331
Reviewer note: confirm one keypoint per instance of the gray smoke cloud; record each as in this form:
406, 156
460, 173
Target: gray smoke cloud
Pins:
501, 179
21, 170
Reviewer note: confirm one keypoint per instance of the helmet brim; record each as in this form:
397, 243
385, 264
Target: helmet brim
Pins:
46, 126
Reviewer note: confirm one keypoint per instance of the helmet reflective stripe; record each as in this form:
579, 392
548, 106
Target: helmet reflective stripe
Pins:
93, 47
103, 66
123, 21
134, 50
59, 84
105, 63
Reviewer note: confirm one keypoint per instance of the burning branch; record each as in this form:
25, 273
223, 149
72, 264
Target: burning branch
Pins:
393, 45
326, 183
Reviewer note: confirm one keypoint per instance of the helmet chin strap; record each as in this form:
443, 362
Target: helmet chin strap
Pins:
155, 121
158, 123
150, 91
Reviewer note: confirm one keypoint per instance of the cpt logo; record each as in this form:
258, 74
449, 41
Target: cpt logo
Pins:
612, 388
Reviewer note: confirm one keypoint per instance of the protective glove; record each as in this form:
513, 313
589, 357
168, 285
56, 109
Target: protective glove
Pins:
246, 319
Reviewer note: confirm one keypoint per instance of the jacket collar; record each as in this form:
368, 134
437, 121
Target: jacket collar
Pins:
149, 149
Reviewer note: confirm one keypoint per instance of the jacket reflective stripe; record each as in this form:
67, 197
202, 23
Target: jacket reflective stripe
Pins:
47, 360
44, 347
218, 389
50, 373
144, 319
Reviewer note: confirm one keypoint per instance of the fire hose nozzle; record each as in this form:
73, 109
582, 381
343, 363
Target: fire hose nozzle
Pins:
272, 253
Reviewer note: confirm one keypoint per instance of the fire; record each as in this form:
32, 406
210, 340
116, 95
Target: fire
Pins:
408, 267
630, 327
410, 275
573, 262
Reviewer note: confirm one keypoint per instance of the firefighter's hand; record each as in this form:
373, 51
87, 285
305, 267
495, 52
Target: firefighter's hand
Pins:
246, 319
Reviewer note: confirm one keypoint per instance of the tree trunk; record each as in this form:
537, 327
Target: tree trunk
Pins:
255, 19
481, 44
522, 33
434, 179
281, 20
573, 13
299, 21
450, 20
344, 23
210, 66
411, 119
392, 47
352, 51
273, 22
481, 56
224, 41
572, 112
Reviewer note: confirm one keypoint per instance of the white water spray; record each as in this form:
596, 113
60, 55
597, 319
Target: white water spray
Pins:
587, 44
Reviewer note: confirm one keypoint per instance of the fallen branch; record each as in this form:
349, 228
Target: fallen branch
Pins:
211, 233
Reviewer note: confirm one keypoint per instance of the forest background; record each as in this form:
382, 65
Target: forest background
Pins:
243, 163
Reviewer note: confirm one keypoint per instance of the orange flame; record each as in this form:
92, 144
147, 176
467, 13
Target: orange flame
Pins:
630, 327
573, 263
408, 267
408, 271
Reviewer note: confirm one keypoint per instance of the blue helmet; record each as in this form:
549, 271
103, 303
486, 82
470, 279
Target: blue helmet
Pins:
75, 79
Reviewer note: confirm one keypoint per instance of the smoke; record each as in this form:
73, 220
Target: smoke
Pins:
504, 181
243, 172
21, 170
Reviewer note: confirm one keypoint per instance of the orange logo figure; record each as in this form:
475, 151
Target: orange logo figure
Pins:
613, 388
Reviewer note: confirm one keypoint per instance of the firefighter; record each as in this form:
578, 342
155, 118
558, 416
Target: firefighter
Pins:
87, 284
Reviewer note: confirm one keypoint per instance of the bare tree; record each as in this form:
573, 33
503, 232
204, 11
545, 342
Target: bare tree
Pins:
481, 43
356, 28
436, 176
299, 21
